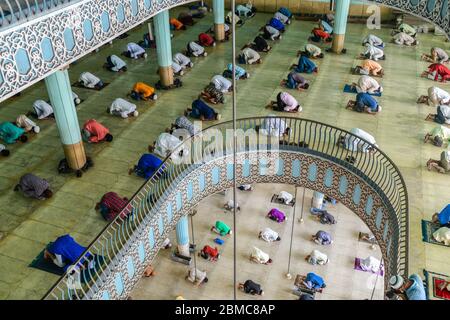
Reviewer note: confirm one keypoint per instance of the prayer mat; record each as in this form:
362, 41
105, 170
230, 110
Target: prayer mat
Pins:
78, 85
358, 267
437, 286
349, 89
428, 228
363, 238
45, 265
298, 282
277, 200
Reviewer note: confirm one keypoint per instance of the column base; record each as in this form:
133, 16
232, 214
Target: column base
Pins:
219, 31
183, 249
166, 75
338, 43
75, 155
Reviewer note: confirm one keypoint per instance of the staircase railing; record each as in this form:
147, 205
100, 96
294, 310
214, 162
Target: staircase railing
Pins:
305, 136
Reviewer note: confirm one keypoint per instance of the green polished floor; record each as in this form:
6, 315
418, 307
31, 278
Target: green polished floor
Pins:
27, 225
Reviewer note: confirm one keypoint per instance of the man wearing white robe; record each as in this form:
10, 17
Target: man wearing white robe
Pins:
367, 84
373, 40
115, 63
355, 144
26, 123
196, 50
123, 108
89, 80
370, 264
221, 83
250, 56
182, 60
177, 69
442, 235
279, 16
196, 276
260, 256
168, 144
42, 109
373, 53
135, 51
436, 97
402, 38
317, 257
269, 235
273, 127
286, 196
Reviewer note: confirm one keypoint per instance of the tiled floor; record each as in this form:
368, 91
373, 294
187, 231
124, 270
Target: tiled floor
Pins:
342, 281
27, 225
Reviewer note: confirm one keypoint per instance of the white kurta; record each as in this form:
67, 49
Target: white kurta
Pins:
135, 50
269, 235
445, 109
438, 96
273, 126
355, 144
89, 80
251, 56
259, 255
176, 67
167, 144
286, 196
196, 275
403, 38
373, 40
273, 32
221, 83
122, 107
317, 257
313, 49
182, 60
374, 52
370, 264
368, 84
197, 49
42, 109
117, 62
24, 122
442, 235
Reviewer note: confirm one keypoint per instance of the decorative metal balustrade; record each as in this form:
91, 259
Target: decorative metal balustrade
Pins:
309, 156
34, 44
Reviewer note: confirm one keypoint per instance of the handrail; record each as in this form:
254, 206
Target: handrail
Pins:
23, 10
375, 168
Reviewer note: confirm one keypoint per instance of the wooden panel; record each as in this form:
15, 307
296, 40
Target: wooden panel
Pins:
356, 10
282, 3
294, 6
270, 5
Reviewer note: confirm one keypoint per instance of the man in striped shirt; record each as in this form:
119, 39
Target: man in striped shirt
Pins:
111, 205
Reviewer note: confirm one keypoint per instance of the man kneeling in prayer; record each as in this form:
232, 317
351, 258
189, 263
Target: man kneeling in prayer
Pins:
111, 205
364, 103
311, 51
122, 108
436, 97
285, 102
27, 124
200, 110
142, 91
183, 123
65, 251
322, 238
305, 65
260, 256
259, 44
42, 110
11, 133
438, 136
317, 257
353, 143
94, 132
269, 235
212, 95
295, 81
115, 64
370, 68
196, 276
34, 187
249, 56
89, 80
221, 228
251, 287
442, 165
442, 218
367, 84
147, 165
437, 55
196, 50
167, 144
209, 253
134, 51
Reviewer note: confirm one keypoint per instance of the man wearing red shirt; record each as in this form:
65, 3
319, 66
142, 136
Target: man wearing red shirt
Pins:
210, 253
112, 205
319, 34
437, 70
94, 132
206, 40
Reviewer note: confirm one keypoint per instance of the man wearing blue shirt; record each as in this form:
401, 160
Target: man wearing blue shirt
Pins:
364, 103
443, 217
413, 287
148, 164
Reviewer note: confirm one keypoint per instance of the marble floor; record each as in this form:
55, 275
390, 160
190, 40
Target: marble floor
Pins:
26, 226
342, 282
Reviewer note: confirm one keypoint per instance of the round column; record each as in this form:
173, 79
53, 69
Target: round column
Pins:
219, 19
163, 47
182, 230
340, 25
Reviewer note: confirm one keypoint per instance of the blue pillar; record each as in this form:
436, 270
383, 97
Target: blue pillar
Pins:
163, 47
340, 24
60, 93
182, 230
219, 19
